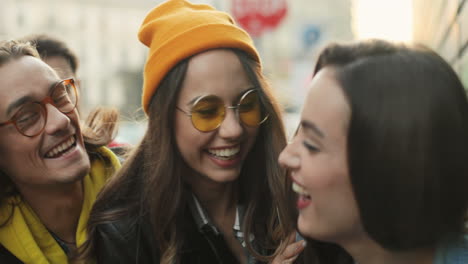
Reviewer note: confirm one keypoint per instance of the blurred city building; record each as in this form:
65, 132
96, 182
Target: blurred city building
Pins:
103, 33
383, 19
443, 26
289, 53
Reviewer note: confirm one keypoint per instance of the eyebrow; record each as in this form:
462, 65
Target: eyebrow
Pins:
311, 127
25, 99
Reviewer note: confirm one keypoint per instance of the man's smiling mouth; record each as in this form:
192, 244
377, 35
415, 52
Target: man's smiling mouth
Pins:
62, 148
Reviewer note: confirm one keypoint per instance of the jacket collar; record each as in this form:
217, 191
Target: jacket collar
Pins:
204, 223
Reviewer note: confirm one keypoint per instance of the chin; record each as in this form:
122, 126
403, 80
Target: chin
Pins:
85, 168
303, 227
80, 171
308, 229
226, 178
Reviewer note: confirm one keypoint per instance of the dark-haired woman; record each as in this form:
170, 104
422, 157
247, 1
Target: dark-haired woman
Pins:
379, 160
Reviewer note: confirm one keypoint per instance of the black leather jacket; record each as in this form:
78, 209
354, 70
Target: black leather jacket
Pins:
7, 258
131, 241
124, 241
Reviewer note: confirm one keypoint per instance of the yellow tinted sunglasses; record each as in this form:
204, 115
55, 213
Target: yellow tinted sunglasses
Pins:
209, 111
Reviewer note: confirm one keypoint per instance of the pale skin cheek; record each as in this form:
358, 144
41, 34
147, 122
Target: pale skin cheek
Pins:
191, 149
326, 188
333, 177
319, 180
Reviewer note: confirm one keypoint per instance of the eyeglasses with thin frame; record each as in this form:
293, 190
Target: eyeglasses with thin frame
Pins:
208, 112
31, 118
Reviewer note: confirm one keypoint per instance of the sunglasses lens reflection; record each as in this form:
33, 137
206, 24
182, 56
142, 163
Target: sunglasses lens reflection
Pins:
209, 112
250, 111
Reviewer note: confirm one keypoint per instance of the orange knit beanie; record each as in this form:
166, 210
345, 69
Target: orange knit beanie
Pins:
178, 29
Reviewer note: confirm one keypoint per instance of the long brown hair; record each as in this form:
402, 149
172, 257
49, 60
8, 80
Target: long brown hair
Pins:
97, 131
151, 184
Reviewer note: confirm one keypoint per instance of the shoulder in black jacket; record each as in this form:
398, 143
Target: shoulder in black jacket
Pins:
128, 241
7, 258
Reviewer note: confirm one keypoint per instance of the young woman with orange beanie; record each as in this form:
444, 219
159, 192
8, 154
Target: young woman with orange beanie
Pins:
204, 185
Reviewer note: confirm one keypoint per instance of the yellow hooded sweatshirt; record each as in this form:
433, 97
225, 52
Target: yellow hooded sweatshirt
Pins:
28, 239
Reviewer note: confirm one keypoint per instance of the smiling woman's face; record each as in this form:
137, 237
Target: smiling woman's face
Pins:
317, 161
54, 157
216, 156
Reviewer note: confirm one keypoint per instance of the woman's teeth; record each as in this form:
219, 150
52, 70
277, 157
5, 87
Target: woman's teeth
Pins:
299, 190
61, 149
226, 153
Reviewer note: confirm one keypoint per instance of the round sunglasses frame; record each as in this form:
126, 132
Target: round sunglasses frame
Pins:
234, 107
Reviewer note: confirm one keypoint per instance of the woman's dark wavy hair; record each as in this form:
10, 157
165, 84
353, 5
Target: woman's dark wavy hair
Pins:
407, 144
150, 185
97, 131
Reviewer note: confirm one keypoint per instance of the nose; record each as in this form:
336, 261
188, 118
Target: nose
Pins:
289, 158
56, 120
231, 128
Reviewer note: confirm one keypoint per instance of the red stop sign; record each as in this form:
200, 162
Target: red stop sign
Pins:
257, 16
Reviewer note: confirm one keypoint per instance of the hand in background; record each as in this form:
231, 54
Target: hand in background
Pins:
291, 252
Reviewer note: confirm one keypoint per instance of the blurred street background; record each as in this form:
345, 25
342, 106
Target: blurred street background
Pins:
288, 34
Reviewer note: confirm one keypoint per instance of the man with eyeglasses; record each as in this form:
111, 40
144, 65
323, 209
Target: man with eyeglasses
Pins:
58, 55
50, 170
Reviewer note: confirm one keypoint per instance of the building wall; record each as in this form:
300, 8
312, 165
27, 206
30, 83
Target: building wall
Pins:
443, 26
103, 35
289, 53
